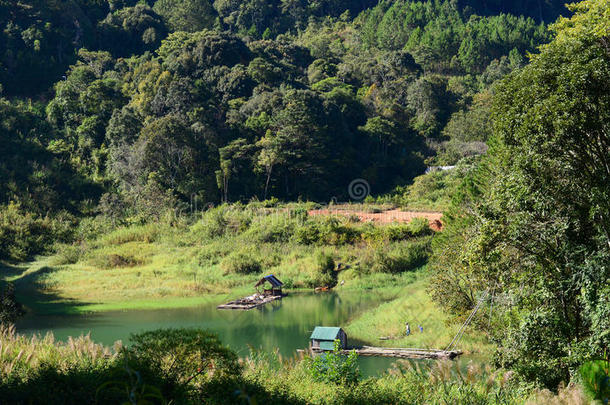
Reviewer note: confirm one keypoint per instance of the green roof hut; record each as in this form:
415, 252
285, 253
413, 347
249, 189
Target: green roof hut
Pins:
323, 338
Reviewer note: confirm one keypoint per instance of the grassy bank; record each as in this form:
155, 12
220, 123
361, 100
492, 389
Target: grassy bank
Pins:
185, 261
413, 305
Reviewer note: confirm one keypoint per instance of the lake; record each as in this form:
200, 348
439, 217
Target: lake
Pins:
284, 324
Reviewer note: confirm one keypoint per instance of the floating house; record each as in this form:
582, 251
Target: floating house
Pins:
276, 285
323, 338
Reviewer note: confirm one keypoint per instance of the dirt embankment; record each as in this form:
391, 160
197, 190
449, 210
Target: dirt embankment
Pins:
386, 217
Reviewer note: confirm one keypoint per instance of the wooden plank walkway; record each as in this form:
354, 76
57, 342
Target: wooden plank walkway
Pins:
399, 352
251, 302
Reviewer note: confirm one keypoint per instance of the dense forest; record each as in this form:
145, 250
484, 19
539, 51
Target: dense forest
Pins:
110, 105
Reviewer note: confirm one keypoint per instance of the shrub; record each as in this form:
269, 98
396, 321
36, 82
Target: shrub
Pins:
307, 234
24, 234
213, 224
115, 260
299, 213
326, 263
419, 227
271, 229
395, 233
325, 271
68, 254
334, 367
388, 233
10, 309
91, 228
184, 356
223, 220
595, 376
403, 259
241, 263
136, 233
327, 231
270, 203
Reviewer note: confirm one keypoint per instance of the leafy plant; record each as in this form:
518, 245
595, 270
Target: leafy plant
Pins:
241, 263
335, 367
595, 376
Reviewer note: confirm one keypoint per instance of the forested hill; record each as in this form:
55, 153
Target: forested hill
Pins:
124, 106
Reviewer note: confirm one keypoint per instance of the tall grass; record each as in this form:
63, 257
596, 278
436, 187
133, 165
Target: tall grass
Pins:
409, 383
22, 356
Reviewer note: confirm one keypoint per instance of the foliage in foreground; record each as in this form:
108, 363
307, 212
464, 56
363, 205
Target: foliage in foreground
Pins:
185, 366
334, 367
595, 377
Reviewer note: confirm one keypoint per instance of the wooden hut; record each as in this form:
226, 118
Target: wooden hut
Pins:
276, 285
323, 338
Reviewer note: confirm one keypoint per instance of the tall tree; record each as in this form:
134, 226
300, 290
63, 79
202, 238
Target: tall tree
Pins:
539, 236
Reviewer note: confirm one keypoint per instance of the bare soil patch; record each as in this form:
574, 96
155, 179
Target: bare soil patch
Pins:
385, 217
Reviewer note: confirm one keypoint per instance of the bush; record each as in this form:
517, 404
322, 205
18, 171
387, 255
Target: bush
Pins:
388, 233
10, 309
325, 271
241, 263
419, 227
327, 231
223, 220
307, 234
326, 263
91, 228
271, 229
67, 254
24, 234
334, 367
404, 259
184, 356
270, 203
115, 260
136, 233
595, 376
213, 224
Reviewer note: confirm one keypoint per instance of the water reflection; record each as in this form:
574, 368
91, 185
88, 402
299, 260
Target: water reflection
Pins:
285, 325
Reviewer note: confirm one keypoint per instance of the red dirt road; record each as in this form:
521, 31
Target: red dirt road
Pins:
386, 217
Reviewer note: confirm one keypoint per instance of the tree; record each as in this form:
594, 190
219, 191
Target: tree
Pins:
131, 30
186, 15
539, 235
233, 158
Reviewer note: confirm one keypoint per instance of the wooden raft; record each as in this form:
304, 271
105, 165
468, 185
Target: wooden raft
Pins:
403, 353
250, 302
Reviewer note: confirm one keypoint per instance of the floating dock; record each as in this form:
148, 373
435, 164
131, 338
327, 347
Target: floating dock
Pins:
251, 302
401, 352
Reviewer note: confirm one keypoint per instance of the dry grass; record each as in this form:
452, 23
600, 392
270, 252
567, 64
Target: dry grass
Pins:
568, 395
21, 355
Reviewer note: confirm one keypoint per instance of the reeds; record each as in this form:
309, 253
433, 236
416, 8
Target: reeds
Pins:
21, 355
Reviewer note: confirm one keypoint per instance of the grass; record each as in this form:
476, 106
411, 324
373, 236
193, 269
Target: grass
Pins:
33, 369
413, 305
220, 255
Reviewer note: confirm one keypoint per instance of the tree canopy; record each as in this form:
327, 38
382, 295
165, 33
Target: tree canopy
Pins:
537, 235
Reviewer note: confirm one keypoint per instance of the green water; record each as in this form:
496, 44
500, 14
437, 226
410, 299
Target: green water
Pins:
285, 324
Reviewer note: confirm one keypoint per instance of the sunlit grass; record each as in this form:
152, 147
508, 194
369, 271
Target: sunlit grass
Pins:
161, 265
415, 306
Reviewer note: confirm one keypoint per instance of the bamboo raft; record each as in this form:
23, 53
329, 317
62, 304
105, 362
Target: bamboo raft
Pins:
402, 352
251, 302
